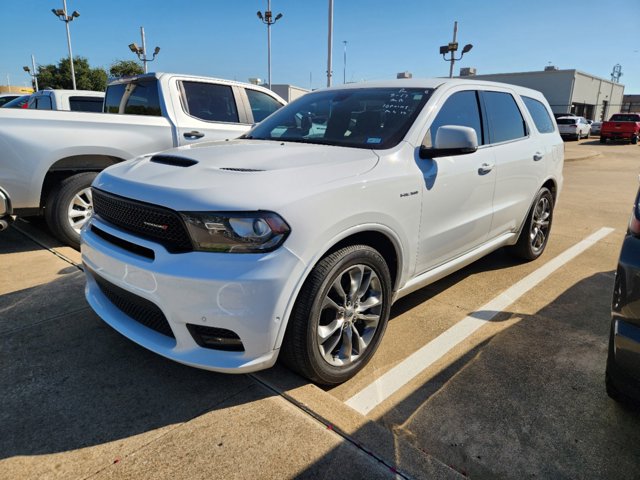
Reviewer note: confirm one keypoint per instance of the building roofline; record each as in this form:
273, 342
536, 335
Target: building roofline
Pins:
549, 72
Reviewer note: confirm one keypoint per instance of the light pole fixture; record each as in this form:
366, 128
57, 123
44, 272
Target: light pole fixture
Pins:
268, 19
453, 47
141, 52
62, 15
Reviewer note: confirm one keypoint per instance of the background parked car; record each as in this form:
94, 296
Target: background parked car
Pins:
7, 97
573, 127
595, 128
623, 359
20, 102
73, 100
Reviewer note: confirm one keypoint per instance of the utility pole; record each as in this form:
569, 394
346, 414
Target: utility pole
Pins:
330, 44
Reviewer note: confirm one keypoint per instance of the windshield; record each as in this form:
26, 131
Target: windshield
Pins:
363, 118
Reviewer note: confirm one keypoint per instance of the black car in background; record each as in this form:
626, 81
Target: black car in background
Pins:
623, 359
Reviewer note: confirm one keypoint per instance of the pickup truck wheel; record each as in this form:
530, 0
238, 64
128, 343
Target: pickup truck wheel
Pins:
535, 233
603, 139
634, 139
69, 206
340, 316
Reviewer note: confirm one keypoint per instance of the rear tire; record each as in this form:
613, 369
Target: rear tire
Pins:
535, 232
339, 317
69, 206
603, 139
634, 139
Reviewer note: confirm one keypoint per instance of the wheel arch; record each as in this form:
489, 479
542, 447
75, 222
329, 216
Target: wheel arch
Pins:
378, 237
71, 165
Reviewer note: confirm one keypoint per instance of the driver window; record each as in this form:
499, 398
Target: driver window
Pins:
461, 109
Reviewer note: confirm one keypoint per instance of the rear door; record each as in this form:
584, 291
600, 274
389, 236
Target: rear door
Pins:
519, 158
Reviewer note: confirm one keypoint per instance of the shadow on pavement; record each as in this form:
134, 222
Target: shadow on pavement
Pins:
530, 401
69, 381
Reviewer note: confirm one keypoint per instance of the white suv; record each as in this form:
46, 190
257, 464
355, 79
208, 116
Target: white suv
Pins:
296, 238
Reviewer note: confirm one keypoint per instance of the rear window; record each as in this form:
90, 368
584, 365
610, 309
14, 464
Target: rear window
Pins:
567, 121
6, 99
619, 117
135, 98
85, 104
540, 115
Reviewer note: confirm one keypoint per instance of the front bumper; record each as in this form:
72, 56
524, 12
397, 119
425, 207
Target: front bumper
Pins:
248, 294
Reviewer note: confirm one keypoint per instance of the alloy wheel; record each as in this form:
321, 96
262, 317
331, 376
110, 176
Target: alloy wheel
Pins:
350, 315
80, 209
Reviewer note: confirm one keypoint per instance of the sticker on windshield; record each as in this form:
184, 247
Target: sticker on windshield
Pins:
417, 96
374, 140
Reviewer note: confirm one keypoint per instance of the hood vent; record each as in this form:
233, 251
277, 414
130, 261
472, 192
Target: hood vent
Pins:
231, 169
172, 160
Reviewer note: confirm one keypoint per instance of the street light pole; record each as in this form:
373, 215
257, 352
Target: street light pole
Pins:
453, 60
32, 73
344, 76
62, 15
141, 52
330, 44
268, 20
452, 48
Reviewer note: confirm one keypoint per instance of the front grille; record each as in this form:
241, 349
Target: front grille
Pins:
160, 224
139, 309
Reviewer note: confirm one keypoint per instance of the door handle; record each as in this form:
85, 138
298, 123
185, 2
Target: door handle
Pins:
193, 134
537, 156
485, 168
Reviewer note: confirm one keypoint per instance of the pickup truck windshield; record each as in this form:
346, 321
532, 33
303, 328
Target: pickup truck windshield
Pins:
375, 118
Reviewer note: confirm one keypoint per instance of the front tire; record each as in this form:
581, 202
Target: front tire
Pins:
634, 139
69, 207
340, 316
535, 232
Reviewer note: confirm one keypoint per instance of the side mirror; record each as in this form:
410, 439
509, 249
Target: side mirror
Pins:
452, 140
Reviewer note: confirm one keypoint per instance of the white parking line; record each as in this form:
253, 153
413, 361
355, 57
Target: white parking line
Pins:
372, 395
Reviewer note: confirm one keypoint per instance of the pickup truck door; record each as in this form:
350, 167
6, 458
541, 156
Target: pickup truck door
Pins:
209, 111
457, 191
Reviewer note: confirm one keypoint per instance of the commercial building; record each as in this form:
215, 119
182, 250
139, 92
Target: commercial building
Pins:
631, 104
567, 91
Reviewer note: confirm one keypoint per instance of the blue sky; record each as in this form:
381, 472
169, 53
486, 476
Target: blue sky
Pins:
225, 38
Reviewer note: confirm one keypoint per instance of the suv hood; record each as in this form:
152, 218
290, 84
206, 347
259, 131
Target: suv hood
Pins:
237, 174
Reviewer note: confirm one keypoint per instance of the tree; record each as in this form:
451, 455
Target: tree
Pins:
125, 68
59, 76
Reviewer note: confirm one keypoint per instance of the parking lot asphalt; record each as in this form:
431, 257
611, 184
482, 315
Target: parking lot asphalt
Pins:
523, 396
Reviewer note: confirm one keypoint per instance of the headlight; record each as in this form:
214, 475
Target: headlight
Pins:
236, 232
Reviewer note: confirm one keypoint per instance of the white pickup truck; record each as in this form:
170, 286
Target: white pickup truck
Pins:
49, 158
